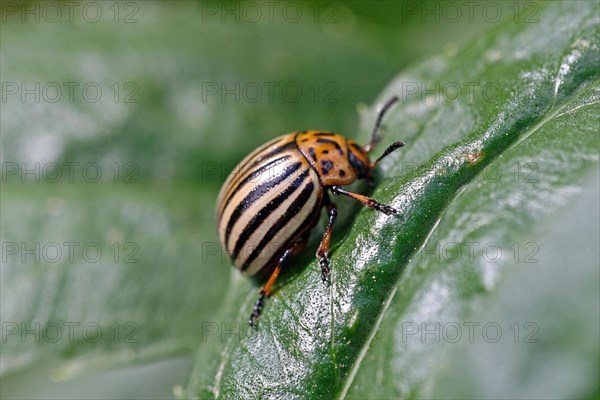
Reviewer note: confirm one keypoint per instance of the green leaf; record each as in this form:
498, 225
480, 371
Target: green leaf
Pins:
346, 340
102, 287
498, 229
551, 310
152, 133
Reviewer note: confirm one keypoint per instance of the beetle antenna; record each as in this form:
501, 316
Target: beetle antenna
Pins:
375, 136
390, 149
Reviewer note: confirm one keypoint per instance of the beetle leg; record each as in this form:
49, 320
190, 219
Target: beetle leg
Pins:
323, 252
367, 201
265, 290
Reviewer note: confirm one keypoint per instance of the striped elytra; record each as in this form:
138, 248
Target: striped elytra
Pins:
268, 201
273, 198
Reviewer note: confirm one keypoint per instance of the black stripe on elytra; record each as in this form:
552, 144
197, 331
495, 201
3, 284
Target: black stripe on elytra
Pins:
256, 152
263, 156
294, 209
253, 176
265, 212
306, 226
242, 168
333, 142
311, 151
256, 194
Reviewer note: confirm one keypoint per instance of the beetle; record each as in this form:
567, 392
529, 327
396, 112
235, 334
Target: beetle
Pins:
271, 201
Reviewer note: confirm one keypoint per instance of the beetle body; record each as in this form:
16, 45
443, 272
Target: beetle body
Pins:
273, 198
275, 195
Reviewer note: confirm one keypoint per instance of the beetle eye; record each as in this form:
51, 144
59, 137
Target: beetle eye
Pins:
356, 163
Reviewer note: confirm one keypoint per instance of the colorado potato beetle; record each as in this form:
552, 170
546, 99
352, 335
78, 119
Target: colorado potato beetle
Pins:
273, 198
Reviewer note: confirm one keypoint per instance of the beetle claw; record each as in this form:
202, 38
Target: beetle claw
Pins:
324, 262
252, 322
389, 210
257, 310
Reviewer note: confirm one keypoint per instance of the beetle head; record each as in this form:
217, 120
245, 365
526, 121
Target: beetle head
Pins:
359, 161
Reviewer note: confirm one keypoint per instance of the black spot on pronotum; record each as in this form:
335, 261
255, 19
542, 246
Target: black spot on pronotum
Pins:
326, 166
325, 151
333, 142
357, 147
342, 173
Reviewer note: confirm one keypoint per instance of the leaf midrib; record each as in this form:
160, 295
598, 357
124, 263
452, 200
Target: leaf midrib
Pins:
548, 116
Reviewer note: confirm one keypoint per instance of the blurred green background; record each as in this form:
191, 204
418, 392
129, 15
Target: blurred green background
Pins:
119, 122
